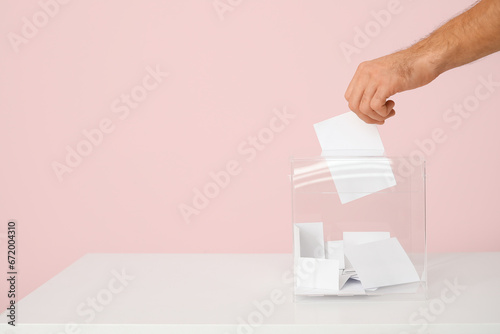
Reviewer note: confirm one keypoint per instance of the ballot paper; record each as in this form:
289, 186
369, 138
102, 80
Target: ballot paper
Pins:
352, 288
312, 270
311, 240
348, 265
356, 238
343, 277
374, 263
318, 274
335, 250
346, 135
381, 263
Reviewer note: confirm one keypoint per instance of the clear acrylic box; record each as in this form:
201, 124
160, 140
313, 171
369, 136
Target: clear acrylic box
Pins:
398, 209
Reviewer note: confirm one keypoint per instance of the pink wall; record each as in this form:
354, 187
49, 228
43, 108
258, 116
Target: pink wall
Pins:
228, 71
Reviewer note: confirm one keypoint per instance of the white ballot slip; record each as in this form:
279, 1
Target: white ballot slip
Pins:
352, 288
318, 274
346, 135
311, 240
348, 265
343, 277
381, 263
335, 250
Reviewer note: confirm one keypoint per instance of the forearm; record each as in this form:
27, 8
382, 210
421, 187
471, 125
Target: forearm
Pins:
468, 37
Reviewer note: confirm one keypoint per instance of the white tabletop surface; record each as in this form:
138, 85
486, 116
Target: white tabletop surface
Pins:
217, 293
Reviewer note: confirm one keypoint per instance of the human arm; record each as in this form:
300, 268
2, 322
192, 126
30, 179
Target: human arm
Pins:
467, 37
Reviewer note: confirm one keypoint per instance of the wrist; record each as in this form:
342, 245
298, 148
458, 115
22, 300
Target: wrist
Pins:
427, 62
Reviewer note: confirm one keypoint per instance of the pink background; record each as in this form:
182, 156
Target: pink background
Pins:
226, 78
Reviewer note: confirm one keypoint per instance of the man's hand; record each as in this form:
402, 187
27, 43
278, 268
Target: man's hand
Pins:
469, 36
375, 81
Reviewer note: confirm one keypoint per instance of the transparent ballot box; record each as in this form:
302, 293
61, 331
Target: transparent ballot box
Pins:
359, 228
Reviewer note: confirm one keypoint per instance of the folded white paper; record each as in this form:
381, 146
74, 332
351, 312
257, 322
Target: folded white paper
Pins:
352, 288
347, 135
381, 263
311, 240
343, 277
356, 238
348, 265
318, 274
335, 250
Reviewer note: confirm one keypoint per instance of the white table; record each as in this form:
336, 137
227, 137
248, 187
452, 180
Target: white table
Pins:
211, 293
